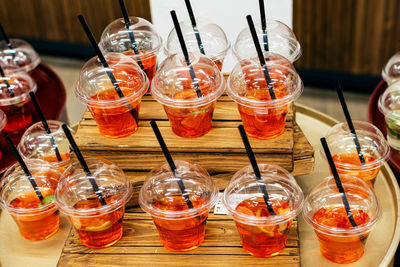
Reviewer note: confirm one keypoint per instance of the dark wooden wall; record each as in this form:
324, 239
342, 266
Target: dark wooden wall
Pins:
354, 36
56, 20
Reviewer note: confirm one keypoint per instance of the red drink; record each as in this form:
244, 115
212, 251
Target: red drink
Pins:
368, 174
181, 234
34, 225
100, 231
263, 113
148, 61
63, 164
263, 123
115, 122
18, 108
340, 249
263, 240
190, 122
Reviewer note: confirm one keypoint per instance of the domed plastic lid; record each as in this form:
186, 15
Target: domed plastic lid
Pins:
3, 120
281, 40
36, 143
162, 185
389, 101
15, 87
74, 186
247, 84
371, 139
116, 37
213, 38
20, 55
173, 85
391, 71
95, 88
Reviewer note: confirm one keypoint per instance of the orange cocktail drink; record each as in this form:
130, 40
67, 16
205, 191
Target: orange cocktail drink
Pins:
339, 241
263, 113
189, 103
14, 99
97, 225
147, 43
374, 148
180, 228
36, 219
36, 143
114, 106
263, 234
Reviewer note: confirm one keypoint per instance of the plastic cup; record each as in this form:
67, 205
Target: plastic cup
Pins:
18, 108
281, 40
389, 105
115, 116
3, 121
37, 144
391, 71
215, 43
263, 117
98, 226
263, 235
116, 38
20, 57
189, 115
180, 228
36, 220
339, 241
344, 151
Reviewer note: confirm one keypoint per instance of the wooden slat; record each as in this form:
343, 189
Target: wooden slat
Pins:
140, 245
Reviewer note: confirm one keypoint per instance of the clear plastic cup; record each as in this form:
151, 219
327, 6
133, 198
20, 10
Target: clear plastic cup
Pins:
98, 225
3, 121
389, 105
181, 228
20, 56
14, 99
115, 116
263, 117
116, 38
215, 43
36, 143
391, 71
189, 115
339, 241
36, 220
345, 155
281, 40
263, 235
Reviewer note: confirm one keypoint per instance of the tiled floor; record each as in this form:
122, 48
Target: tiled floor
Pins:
323, 100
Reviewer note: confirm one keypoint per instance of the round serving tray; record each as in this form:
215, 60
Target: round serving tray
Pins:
380, 247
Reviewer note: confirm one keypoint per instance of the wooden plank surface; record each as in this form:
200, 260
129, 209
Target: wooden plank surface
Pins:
140, 246
226, 118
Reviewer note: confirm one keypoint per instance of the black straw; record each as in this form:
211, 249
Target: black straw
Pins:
5, 37
185, 53
23, 166
83, 164
45, 125
261, 57
257, 173
263, 24
3, 76
171, 163
107, 68
349, 121
130, 32
194, 25
338, 182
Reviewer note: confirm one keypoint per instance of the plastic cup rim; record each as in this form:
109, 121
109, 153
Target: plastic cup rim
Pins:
273, 103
